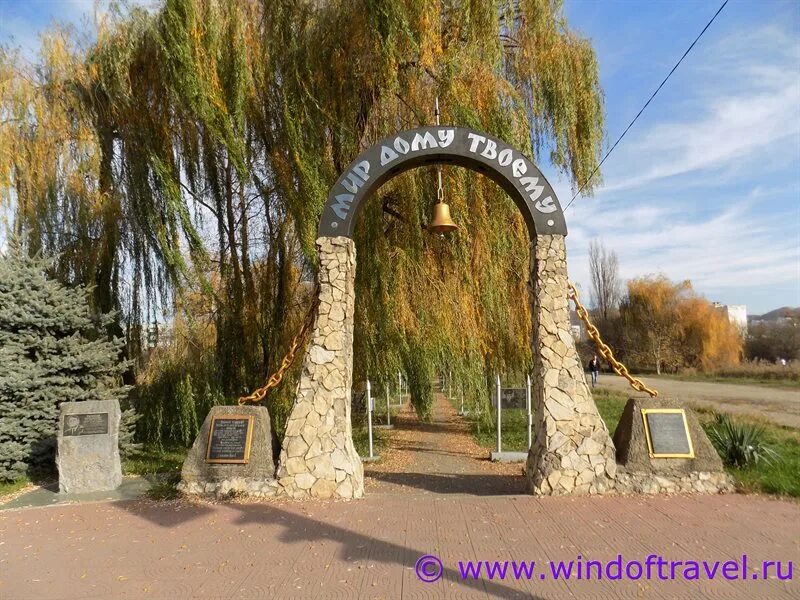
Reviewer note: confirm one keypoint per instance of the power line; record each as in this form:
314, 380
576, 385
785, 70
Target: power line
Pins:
658, 89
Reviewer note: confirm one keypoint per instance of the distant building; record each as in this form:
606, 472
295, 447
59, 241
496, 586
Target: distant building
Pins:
737, 314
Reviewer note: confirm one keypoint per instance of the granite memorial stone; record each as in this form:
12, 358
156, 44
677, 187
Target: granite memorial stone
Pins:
677, 457
233, 453
88, 446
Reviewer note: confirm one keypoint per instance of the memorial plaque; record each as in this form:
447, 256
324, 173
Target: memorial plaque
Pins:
229, 439
86, 424
667, 433
513, 398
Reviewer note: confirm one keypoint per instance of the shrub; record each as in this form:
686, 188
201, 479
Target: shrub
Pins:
52, 350
740, 444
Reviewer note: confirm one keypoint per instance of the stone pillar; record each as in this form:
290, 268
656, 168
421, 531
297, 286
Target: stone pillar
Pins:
572, 452
318, 458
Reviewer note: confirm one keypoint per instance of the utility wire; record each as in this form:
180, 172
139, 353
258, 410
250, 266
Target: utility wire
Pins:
658, 89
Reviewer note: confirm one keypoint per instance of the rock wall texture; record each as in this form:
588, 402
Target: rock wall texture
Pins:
699, 482
572, 452
318, 458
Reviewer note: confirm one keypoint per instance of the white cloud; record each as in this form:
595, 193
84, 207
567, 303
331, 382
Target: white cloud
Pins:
24, 32
743, 92
731, 222
733, 251
733, 128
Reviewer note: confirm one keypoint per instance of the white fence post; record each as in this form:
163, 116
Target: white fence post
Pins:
499, 416
449, 385
530, 415
388, 408
369, 417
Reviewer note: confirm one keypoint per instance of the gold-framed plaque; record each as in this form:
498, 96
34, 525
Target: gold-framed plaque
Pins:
667, 433
229, 439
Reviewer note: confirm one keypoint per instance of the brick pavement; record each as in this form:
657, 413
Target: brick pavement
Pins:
368, 548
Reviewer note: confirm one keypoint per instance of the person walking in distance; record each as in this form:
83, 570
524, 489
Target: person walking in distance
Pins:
594, 369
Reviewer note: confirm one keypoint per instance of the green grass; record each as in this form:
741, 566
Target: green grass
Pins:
379, 438
155, 461
781, 477
515, 431
361, 439
9, 487
161, 466
610, 404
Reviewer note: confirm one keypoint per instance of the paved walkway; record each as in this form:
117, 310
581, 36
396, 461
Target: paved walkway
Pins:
776, 404
439, 458
450, 505
48, 495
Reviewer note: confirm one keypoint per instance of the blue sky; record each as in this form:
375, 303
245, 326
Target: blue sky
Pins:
706, 186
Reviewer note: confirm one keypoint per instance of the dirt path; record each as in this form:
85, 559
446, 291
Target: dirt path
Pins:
781, 406
440, 457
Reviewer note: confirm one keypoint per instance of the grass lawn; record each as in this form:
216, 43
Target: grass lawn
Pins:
515, 434
361, 435
782, 477
154, 461
161, 466
9, 487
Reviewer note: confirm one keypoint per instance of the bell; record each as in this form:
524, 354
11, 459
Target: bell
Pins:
441, 222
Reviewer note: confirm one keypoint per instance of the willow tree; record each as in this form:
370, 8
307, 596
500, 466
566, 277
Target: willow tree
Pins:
213, 130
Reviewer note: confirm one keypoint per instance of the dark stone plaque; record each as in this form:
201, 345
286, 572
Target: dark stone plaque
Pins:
86, 424
667, 433
514, 398
229, 439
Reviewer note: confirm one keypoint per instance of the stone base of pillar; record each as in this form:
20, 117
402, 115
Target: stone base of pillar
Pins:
318, 459
572, 462
572, 453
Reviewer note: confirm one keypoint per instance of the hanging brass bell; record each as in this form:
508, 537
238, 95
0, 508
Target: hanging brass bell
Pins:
441, 222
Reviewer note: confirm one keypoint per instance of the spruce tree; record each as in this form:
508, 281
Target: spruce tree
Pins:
50, 352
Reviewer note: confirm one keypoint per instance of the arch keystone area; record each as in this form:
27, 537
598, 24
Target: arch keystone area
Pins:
572, 452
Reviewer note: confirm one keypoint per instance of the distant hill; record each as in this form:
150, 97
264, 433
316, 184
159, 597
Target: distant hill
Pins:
778, 313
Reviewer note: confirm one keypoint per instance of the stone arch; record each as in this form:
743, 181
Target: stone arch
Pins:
572, 452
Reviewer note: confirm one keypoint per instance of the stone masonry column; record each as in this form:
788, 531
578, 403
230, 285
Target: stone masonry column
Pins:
318, 458
572, 452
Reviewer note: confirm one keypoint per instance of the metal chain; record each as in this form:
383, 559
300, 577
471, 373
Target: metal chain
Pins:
618, 367
297, 341
276, 378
